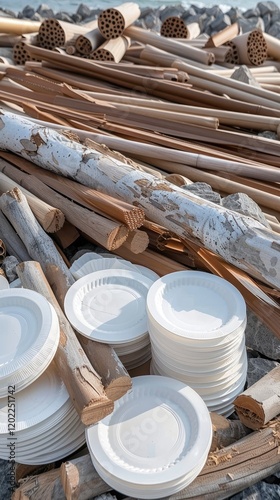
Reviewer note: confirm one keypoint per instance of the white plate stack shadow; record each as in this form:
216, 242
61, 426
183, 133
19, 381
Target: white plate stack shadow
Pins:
108, 304
37, 418
196, 322
156, 441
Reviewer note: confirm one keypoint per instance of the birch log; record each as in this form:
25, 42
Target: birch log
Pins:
260, 402
240, 240
13, 243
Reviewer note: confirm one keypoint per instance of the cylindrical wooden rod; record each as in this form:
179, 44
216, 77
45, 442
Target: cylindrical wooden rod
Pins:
111, 50
113, 21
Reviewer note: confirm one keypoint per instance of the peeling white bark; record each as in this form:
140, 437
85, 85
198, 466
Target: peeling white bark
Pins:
240, 240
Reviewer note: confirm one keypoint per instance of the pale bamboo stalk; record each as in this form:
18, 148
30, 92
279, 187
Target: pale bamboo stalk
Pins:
13, 243
223, 36
33, 81
252, 47
83, 383
50, 218
151, 71
169, 45
20, 54
273, 46
113, 21
54, 33
137, 241
132, 217
260, 402
84, 44
15, 26
9, 40
111, 50
222, 54
107, 233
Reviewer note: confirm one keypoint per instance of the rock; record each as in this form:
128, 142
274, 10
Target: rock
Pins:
203, 190
44, 11
5, 486
243, 74
63, 16
28, 12
268, 134
76, 18
215, 11
220, 23
250, 24
145, 11
37, 17
7, 13
152, 22
83, 11
243, 204
234, 14
260, 338
274, 30
258, 368
267, 7
198, 18
259, 491
170, 12
255, 12
9, 266
275, 17
267, 21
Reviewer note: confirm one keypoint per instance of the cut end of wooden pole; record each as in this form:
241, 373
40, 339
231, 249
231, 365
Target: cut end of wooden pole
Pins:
113, 21
97, 411
250, 412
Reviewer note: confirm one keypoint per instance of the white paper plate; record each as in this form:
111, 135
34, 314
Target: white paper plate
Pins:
27, 320
86, 257
157, 433
4, 284
196, 305
109, 306
37, 403
94, 265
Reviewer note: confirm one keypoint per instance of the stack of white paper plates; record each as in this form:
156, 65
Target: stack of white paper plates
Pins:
196, 323
155, 442
110, 306
29, 336
46, 426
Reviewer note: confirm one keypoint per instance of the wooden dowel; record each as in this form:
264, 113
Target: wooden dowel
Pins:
111, 50
137, 241
15, 26
53, 33
50, 218
260, 403
87, 43
223, 36
81, 380
251, 47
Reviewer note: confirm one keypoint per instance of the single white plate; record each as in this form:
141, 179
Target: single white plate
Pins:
27, 320
4, 284
157, 432
196, 305
109, 306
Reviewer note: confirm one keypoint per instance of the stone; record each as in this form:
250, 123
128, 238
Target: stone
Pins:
274, 30
259, 491
268, 134
255, 12
76, 18
220, 23
243, 204
7, 13
258, 368
246, 25
243, 74
28, 12
152, 22
9, 266
83, 11
267, 7
267, 21
203, 190
44, 11
190, 12
5, 485
170, 12
145, 11
37, 17
215, 11
198, 18
260, 338
275, 17
63, 16
234, 14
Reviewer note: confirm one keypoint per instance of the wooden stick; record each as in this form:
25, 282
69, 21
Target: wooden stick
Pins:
87, 43
226, 432
47, 485
80, 480
15, 26
177, 48
260, 402
54, 33
50, 218
81, 380
113, 21
106, 232
223, 36
175, 27
67, 235
13, 243
20, 54
251, 47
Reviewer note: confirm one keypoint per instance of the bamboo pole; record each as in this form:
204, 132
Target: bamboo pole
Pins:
111, 50
177, 48
54, 33
50, 218
82, 382
88, 42
260, 403
20, 54
251, 47
223, 36
113, 21
15, 26
175, 27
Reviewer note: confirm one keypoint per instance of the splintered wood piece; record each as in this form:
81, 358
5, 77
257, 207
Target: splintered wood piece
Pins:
260, 403
50, 218
80, 480
113, 21
46, 486
175, 27
111, 50
13, 243
251, 47
83, 383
